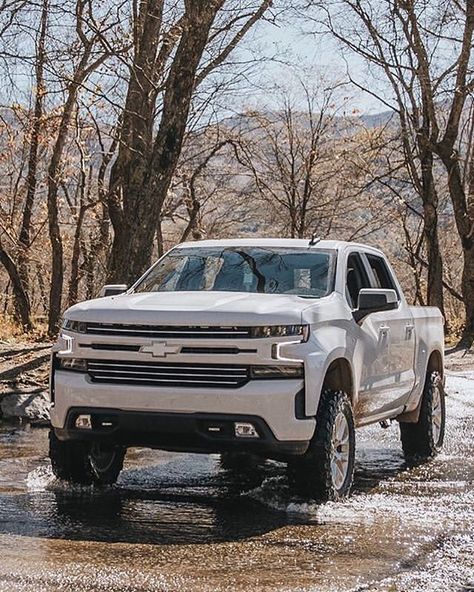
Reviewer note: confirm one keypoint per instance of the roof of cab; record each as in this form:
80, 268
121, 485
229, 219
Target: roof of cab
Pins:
275, 242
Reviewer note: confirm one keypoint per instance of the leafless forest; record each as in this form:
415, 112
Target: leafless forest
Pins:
128, 126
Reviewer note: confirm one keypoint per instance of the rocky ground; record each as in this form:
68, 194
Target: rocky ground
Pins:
24, 381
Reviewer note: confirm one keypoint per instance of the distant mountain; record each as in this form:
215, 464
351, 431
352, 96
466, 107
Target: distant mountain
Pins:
377, 119
243, 121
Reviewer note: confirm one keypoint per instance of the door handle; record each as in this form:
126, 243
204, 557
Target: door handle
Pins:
409, 330
384, 330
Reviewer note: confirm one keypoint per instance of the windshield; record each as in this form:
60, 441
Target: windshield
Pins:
273, 270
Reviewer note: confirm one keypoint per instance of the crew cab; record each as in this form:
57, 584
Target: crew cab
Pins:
271, 347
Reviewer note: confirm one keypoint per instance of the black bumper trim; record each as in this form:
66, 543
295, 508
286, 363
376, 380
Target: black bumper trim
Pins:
180, 432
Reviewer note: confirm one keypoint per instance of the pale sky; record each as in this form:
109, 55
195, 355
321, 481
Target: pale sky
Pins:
317, 55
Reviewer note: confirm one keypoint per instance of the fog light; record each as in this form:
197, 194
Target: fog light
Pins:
245, 430
83, 422
76, 364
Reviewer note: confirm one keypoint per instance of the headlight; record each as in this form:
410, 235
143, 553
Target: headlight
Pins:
301, 331
276, 372
77, 326
76, 364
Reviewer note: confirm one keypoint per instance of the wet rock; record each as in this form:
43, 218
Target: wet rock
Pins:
31, 407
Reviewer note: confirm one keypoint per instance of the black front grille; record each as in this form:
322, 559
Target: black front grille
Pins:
111, 347
165, 374
169, 332
217, 350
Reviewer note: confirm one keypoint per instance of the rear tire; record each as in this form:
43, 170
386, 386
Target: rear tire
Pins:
423, 440
85, 464
326, 471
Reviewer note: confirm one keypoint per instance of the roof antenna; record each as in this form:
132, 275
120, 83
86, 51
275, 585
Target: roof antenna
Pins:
314, 239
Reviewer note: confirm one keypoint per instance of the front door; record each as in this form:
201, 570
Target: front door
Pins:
372, 343
401, 329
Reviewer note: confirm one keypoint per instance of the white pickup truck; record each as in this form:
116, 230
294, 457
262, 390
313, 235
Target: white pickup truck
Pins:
273, 347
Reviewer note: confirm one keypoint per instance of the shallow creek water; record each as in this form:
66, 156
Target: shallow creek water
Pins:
180, 522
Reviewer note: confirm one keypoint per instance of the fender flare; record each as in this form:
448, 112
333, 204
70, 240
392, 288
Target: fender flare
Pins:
338, 361
413, 415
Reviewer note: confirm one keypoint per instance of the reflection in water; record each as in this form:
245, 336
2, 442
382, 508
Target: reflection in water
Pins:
188, 500
185, 500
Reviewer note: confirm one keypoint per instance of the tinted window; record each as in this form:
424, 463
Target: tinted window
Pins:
356, 278
251, 269
383, 277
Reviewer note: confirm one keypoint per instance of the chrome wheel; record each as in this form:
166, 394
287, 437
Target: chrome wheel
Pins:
102, 458
340, 451
436, 415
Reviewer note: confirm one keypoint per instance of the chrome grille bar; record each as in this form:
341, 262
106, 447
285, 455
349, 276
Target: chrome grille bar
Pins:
126, 372
169, 331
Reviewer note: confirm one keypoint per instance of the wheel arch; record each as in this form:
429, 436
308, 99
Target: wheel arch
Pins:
435, 363
339, 376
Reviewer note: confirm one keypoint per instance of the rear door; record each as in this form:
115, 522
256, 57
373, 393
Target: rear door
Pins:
398, 325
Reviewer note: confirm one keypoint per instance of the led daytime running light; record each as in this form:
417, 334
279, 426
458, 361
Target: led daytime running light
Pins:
281, 331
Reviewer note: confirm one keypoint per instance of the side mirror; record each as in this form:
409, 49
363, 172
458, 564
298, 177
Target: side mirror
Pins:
113, 290
375, 300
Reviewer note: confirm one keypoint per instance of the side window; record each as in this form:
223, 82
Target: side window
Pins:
356, 278
382, 275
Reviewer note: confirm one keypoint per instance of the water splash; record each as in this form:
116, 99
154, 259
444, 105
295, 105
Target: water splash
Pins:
40, 479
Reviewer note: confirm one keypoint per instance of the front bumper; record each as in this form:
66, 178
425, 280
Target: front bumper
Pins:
274, 403
189, 432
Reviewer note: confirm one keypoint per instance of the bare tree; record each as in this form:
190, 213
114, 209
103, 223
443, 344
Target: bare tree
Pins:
164, 73
90, 59
24, 237
375, 35
18, 270
408, 41
306, 164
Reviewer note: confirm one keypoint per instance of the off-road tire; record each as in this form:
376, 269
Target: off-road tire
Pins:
79, 463
69, 460
311, 474
418, 440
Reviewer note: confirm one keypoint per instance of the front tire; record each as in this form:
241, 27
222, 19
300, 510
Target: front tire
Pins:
69, 460
326, 471
85, 464
423, 440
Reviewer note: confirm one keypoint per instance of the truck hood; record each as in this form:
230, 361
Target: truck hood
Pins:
194, 308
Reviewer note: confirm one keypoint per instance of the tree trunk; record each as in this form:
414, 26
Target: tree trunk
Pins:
430, 231
143, 179
435, 262
76, 253
159, 238
130, 220
54, 170
24, 237
465, 226
468, 293
94, 255
22, 303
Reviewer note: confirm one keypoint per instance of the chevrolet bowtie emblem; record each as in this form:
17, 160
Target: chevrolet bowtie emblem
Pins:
159, 349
